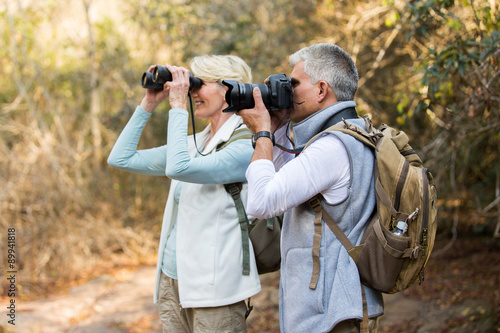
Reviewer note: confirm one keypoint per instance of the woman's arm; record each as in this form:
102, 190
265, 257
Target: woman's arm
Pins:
225, 166
125, 155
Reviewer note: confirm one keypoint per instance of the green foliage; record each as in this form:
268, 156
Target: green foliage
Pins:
427, 15
250, 29
393, 18
430, 67
461, 78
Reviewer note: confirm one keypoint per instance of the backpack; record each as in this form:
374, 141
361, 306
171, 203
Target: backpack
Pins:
405, 191
265, 234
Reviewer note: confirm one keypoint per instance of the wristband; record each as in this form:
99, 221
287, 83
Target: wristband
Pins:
262, 134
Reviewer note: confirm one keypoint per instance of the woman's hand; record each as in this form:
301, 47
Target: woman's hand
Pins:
153, 97
177, 90
179, 86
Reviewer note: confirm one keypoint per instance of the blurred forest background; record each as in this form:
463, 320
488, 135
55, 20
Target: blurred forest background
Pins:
70, 79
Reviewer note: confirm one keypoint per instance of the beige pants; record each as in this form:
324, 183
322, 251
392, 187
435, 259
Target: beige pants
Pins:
222, 319
352, 326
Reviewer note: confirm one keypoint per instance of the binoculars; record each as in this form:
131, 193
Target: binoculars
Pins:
160, 75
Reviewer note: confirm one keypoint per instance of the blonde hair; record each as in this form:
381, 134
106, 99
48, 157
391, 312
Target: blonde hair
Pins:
215, 68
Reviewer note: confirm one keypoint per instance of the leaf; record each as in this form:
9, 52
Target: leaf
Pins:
455, 24
485, 54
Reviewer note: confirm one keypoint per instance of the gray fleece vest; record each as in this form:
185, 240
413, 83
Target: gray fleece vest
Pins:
337, 296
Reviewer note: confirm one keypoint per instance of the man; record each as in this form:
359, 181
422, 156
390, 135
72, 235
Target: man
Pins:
336, 166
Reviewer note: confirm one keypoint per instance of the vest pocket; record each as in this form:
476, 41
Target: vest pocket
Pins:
299, 300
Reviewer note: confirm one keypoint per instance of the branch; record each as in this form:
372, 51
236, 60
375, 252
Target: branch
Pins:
357, 22
454, 232
380, 55
476, 18
493, 78
13, 53
491, 205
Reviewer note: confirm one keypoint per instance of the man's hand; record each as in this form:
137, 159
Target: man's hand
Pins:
258, 118
278, 118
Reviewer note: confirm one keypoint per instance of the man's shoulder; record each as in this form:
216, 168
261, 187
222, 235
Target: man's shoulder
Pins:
335, 140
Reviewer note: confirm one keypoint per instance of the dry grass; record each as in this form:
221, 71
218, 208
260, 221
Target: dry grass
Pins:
72, 220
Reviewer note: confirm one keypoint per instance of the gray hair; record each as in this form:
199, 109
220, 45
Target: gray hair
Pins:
330, 63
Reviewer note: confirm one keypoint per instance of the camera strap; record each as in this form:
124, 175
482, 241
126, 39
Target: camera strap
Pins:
192, 122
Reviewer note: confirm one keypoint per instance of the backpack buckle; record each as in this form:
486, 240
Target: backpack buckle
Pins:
315, 204
412, 216
350, 126
233, 190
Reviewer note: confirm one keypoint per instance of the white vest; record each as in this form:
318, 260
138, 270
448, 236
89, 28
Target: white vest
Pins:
209, 250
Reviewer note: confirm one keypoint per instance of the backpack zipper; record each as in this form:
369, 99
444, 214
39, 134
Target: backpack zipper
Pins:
401, 182
425, 217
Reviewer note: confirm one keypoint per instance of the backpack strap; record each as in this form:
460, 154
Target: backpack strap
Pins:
234, 190
315, 204
238, 134
372, 137
369, 138
322, 214
364, 325
348, 113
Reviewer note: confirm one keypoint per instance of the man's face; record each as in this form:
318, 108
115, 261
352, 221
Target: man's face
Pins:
304, 94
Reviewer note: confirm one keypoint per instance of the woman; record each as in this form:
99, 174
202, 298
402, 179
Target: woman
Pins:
199, 282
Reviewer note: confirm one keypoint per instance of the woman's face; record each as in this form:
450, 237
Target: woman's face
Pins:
209, 99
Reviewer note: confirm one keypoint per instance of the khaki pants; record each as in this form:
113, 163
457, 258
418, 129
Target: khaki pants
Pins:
222, 319
352, 326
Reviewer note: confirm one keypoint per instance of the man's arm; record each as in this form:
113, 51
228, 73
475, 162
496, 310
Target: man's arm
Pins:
321, 168
263, 150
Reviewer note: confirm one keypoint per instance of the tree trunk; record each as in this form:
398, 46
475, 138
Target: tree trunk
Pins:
95, 96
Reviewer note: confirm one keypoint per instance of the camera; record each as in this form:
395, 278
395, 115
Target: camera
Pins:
160, 75
276, 94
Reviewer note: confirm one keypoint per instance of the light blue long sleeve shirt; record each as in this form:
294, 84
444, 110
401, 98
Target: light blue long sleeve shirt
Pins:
173, 160
225, 166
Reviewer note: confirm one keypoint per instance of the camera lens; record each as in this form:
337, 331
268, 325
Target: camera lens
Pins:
239, 96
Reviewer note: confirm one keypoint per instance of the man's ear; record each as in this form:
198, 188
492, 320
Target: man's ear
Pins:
323, 91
